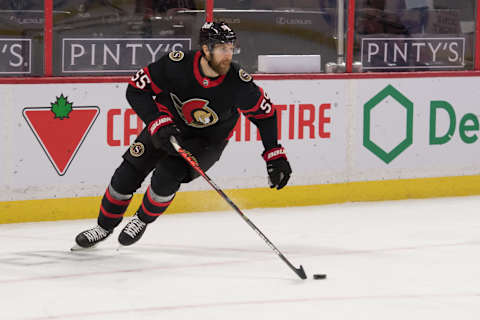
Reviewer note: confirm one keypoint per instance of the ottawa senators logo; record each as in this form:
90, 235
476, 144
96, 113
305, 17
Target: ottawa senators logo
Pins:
176, 55
137, 149
244, 75
195, 112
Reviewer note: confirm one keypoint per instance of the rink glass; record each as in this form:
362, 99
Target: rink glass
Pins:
415, 35
117, 37
21, 38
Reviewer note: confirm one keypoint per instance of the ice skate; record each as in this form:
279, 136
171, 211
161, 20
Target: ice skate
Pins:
89, 238
132, 232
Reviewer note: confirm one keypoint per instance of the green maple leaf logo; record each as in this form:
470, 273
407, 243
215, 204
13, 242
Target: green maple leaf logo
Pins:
61, 108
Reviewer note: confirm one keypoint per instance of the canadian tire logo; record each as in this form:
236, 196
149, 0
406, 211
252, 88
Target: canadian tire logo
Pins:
61, 129
405, 135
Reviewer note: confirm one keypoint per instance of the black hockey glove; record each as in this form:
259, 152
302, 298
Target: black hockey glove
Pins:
161, 129
278, 168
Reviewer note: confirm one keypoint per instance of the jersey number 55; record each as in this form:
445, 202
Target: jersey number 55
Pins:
141, 79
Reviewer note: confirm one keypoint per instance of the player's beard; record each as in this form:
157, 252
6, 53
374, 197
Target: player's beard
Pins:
221, 67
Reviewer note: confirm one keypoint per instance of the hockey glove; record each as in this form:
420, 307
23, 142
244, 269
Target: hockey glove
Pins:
160, 130
278, 168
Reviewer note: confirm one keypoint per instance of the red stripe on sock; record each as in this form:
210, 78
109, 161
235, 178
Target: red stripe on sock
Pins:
110, 215
152, 214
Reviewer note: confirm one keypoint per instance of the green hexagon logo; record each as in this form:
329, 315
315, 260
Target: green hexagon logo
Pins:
388, 91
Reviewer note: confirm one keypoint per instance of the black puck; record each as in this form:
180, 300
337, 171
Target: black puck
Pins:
319, 276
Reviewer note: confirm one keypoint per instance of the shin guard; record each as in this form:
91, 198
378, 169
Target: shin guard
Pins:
112, 208
153, 205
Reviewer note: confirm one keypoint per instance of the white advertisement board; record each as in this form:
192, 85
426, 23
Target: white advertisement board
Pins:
65, 140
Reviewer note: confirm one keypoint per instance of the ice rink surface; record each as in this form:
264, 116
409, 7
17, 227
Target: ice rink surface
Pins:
414, 259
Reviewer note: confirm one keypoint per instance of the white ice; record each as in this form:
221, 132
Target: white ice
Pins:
414, 259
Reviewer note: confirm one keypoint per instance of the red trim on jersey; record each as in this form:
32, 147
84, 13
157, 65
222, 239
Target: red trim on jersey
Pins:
163, 108
204, 81
261, 116
110, 215
130, 82
155, 203
255, 107
116, 201
155, 88
230, 135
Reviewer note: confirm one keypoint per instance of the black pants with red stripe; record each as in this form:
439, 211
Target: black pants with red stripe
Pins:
168, 173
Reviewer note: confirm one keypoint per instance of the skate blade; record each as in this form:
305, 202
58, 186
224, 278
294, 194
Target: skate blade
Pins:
76, 247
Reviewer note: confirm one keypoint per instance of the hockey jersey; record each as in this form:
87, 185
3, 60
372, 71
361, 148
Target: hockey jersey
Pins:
200, 106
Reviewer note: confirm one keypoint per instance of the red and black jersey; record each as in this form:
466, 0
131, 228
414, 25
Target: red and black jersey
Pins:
201, 106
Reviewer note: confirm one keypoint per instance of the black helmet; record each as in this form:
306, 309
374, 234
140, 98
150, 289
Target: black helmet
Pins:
212, 33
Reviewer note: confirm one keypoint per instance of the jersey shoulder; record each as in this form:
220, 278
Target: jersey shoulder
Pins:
171, 64
240, 74
247, 92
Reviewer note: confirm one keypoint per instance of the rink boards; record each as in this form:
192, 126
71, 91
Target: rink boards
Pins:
346, 139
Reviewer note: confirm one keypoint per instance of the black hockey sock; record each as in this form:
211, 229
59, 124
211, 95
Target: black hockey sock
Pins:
153, 206
112, 209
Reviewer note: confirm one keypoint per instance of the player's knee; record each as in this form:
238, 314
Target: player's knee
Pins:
164, 185
126, 179
168, 176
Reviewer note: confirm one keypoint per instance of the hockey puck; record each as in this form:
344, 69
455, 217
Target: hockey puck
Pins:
319, 276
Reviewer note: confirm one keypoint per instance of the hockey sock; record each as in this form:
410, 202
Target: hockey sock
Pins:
153, 205
113, 207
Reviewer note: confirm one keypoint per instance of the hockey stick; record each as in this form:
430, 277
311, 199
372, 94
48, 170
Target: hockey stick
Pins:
194, 164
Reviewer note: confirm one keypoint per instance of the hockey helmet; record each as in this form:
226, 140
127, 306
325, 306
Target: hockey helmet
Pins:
213, 33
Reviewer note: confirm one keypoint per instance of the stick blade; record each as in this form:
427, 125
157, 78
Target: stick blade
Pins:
301, 273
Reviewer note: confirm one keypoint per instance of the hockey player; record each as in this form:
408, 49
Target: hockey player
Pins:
197, 97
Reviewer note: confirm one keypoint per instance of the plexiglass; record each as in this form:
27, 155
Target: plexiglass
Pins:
21, 38
415, 35
118, 37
